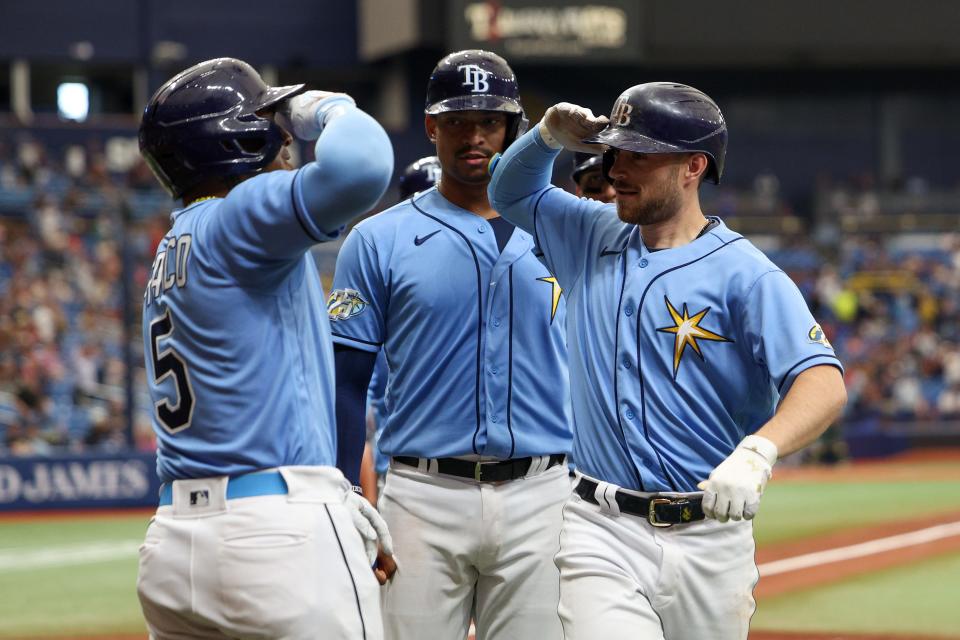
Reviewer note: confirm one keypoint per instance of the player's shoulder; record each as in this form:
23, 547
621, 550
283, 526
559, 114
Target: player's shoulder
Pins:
738, 246
388, 221
191, 218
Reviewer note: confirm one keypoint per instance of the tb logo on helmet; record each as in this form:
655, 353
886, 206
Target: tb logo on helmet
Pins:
475, 75
621, 113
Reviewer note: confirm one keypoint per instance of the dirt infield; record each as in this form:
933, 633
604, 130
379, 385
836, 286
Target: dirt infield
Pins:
923, 465
835, 571
72, 514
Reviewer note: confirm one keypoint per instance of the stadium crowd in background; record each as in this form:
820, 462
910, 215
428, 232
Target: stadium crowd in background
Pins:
889, 305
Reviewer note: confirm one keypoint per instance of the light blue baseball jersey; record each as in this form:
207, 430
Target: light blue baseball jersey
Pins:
474, 338
237, 345
375, 398
675, 355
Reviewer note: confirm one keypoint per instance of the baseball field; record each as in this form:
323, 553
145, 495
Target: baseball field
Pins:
865, 551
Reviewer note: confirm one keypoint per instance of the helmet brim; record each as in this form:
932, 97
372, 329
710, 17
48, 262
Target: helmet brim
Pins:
475, 103
627, 140
275, 95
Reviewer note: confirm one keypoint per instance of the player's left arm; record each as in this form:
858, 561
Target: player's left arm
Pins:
787, 340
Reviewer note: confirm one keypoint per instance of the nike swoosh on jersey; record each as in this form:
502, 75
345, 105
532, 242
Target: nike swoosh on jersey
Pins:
607, 252
419, 241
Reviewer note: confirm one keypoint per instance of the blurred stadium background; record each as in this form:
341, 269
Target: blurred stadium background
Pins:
843, 132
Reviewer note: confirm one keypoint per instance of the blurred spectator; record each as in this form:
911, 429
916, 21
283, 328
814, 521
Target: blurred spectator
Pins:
892, 312
62, 372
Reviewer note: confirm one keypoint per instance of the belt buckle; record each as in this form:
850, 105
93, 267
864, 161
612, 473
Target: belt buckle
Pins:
477, 471
652, 514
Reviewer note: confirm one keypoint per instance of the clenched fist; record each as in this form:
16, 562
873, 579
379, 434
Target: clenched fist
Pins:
734, 488
306, 114
568, 124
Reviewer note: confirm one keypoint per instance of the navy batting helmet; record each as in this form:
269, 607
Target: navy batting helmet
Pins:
419, 176
583, 162
203, 123
476, 80
665, 117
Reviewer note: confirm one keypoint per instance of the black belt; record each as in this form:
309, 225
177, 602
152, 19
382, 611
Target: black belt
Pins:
484, 471
659, 511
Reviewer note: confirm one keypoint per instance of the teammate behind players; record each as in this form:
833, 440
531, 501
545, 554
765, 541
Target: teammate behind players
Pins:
477, 422
589, 179
257, 531
694, 362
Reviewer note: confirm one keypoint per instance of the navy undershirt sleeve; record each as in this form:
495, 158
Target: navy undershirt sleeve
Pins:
353, 371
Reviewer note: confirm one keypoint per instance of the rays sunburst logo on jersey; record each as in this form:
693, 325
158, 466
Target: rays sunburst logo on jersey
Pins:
554, 295
687, 331
344, 304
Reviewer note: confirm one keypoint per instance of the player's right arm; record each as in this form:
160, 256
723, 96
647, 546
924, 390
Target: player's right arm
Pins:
276, 216
562, 224
356, 308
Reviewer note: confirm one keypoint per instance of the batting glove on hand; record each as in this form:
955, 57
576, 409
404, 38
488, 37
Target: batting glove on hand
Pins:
370, 524
565, 125
304, 115
734, 488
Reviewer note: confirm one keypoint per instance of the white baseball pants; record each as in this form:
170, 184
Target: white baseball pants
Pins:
277, 566
623, 579
473, 548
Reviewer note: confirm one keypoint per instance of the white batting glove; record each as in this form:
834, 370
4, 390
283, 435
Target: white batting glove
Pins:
565, 125
370, 524
304, 115
734, 488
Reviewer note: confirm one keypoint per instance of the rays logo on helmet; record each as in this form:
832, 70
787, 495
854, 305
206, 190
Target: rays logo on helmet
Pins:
476, 76
344, 304
816, 335
621, 113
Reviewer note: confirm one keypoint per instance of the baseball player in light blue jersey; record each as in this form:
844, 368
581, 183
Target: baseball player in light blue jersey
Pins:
477, 405
257, 533
694, 363
418, 176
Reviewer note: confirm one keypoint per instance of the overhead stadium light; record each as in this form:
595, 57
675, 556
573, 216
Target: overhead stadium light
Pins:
73, 101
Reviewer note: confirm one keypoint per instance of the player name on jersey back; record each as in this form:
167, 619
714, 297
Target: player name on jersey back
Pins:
169, 266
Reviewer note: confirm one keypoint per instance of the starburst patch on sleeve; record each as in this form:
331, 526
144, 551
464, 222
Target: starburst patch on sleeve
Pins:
817, 336
344, 304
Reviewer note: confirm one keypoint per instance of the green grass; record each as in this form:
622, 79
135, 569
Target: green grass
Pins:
792, 510
915, 599
45, 597
99, 596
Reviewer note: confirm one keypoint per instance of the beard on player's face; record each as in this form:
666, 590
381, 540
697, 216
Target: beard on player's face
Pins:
653, 203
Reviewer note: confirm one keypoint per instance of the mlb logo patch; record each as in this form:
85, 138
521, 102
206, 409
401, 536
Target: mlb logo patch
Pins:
200, 498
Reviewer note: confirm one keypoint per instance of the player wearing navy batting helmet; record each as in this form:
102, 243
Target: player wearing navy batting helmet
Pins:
257, 532
419, 176
694, 364
589, 178
477, 400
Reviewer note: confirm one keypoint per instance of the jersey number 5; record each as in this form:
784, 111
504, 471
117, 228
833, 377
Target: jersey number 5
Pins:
173, 417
